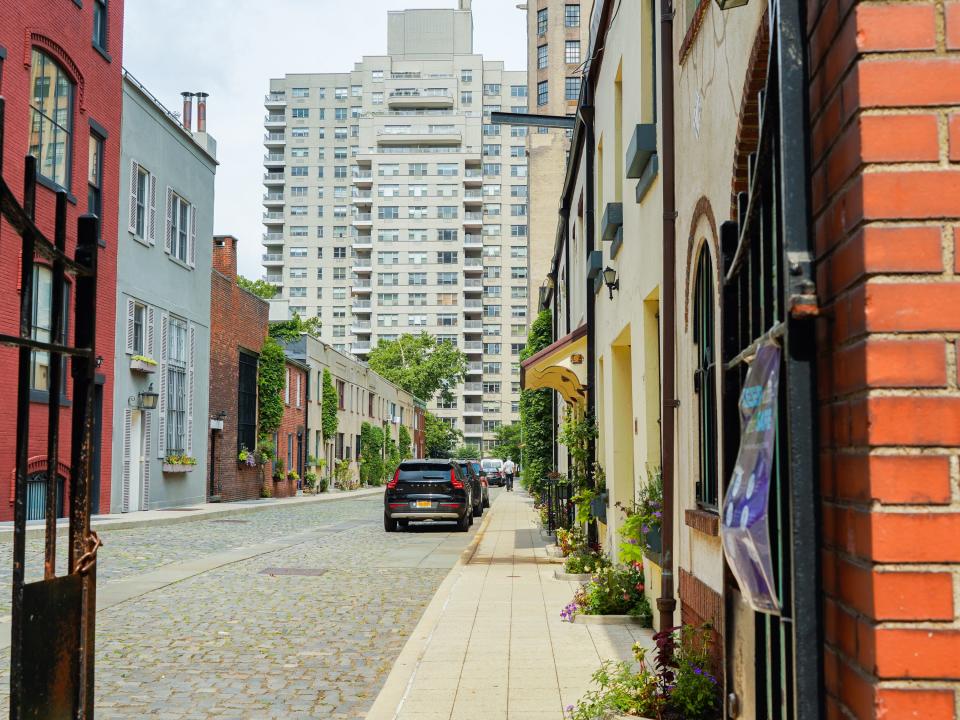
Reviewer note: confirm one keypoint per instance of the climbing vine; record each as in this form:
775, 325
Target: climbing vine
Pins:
270, 380
329, 407
536, 411
405, 443
371, 454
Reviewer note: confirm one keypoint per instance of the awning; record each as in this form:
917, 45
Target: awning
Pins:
560, 366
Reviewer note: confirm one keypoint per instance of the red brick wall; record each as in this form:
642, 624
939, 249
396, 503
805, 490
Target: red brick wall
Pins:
885, 144
294, 422
700, 604
238, 319
420, 435
63, 30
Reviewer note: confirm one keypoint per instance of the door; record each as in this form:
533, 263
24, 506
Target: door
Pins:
136, 461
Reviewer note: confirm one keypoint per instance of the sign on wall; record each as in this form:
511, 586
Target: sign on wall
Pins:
745, 523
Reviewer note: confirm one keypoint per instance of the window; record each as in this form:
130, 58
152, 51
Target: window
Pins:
417, 278
541, 57
388, 278
340, 93
298, 252
491, 311
300, 92
492, 291
491, 272
100, 24
571, 52
176, 386
447, 235
247, 402
518, 231
388, 170
447, 212
490, 130
447, 319
178, 217
417, 258
491, 169
417, 299
339, 273
571, 88
571, 16
417, 190
388, 258
518, 171
376, 98
491, 88
517, 131
491, 368
417, 212
51, 119
300, 132
340, 253
491, 150
518, 273
41, 326
518, 191
518, 151
447, 257
447, 298
705, 381
466, 76
388, 299
299, 171
299, 231
542, 92
518, 292
447, 278
448, 169
388, 212
300, 113
466, 98
518, 210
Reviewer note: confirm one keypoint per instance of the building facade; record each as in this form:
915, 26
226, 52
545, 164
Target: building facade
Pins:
60, 74
292, 438
164, 252
239, 325
393, 206
363, 396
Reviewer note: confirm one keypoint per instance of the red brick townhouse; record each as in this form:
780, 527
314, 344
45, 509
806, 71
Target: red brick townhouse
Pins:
60, 74
292, 439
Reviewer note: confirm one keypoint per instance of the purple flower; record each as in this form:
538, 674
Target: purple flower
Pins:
697, 671
658, 514
645, 529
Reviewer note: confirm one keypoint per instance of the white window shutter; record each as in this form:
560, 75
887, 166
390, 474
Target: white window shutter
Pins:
168, 235
131, 327
191, 362
298, 389
152, 212
162, 400
147, 445
134, 176
127, 443
151, 349
192, 248
286, 388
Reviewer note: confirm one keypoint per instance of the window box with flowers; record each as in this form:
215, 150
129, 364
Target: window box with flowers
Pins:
143, 364
178, 464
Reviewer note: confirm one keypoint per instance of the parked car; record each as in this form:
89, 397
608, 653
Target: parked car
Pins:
472, 468
492, 469
429, 490
483, 481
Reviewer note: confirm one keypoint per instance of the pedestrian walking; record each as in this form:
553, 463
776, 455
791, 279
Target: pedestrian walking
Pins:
508, 470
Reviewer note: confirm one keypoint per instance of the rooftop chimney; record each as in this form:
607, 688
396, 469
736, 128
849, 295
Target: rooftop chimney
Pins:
202, 111
225, 255
464, 4
187, 109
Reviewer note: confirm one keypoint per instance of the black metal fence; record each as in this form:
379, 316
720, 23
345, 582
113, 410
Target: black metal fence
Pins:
558, 495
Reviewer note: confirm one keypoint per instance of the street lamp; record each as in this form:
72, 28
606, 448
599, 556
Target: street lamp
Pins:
145, 399
610, 280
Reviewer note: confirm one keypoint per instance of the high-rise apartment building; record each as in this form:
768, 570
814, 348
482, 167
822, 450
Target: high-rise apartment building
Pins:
392, 205
558, 36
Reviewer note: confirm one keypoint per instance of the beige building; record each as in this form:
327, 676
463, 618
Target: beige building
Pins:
365, 396
557, 37
394, 206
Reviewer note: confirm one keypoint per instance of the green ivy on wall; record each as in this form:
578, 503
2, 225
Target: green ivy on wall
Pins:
536, 412
328, 411
270, 381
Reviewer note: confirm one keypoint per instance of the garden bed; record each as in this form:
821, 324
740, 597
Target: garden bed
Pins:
572, 577
637, 620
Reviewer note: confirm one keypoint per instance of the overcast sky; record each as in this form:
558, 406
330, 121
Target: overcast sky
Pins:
231, 48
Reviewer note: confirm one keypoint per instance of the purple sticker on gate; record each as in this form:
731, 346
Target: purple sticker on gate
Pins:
745, 527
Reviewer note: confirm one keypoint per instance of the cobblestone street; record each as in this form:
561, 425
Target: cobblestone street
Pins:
233, 641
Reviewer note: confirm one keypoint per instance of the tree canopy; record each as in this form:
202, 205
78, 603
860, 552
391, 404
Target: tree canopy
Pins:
509, 439
440, 438
467, 452
288, 330
536, 411
420, 364
260, 288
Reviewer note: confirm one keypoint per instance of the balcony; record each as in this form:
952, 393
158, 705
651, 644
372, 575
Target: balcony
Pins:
473, 177
472, 429
473, 219
473, 264
472, 388
273, 178
360, 327
472, 325
474, 368
275, 138
362, 266
362, 220
273, 279
274, 159
472, 307
360, 287
272, 259
363, 243
272, 238
275, 100
360, 306
473, 409
360, 347
472, 240
473, 348
273, 199
362, 177
419, 99
273, 218
473, 284
274, 120
471, 196
418, 136
361, 197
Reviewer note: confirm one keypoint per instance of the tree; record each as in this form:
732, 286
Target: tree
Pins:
290, 330
260, 288
467, 452
270, 382
404, 443
509, 439
420, 364
371, 454
439, 437
536, 411
329, 407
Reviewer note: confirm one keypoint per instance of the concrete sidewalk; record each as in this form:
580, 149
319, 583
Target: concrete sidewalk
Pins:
491, 644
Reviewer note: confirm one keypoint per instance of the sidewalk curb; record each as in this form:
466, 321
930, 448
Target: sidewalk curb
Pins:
390, 699
207, 511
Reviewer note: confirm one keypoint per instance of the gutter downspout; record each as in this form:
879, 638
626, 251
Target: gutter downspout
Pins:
667, 603
588, 115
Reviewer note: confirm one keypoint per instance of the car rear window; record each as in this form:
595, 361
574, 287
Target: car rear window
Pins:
424, 471
491, 464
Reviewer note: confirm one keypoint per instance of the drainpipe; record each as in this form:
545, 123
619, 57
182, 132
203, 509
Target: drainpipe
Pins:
588, 115
667, 603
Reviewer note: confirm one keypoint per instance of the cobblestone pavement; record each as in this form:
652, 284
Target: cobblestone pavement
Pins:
235, 642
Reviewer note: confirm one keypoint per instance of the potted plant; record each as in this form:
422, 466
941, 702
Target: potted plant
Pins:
310, 481
614, 595
279, 470
293, 476
641, 526
174, 463
143, 364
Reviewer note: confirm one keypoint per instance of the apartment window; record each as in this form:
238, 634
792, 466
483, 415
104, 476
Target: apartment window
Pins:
298, 292
355, 111
300, 92
388, 190
491, 387
299, 171
388, 212
491, 272
518, 210
518, 191
339, 293
298, 273
176, 386
541, 57
385, 320
339, 273
300, 132
447, 235
388, 236
179, 220
388, 299
491, 209
417, 278
447, 212
376, 98
491, 88
417, 320
518, 251
446, 298
518, 231
298, 252
340, 93
447, 278
542, 92
417, 170
491, 150
246, 402
356, 90
417, 258
518, 273
376, 75
492, 291
466, 76
518, 91
491, 130
100, 24
571, 88
298, 210
416, 235
491, 251
300, 113
518, 131
417, 299
518, 292
448, 169
299, 231
571, 52
447, 319
491, 311
340, 133
491, 230
466, 97
571, 16
491, 190
388, 170
298, 191
704, 381
448, 257
491, 368
518, 311
388, 258
491, 169
417, 212
518, 171
51, 119
41, 329
417, 190
491, 348
518, 151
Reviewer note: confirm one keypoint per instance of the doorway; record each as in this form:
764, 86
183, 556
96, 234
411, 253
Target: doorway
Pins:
137, 459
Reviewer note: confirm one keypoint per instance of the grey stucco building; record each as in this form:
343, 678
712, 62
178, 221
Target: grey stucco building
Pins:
163, 305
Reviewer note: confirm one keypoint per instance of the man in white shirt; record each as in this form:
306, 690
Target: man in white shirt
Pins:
508, 470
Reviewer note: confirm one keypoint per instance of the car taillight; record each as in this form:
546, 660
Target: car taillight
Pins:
454, 482
396, 478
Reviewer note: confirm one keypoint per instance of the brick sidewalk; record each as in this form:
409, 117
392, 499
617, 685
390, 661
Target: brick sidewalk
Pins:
491, 644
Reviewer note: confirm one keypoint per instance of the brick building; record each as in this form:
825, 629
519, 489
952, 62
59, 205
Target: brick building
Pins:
239, 322
63, 104
292, 439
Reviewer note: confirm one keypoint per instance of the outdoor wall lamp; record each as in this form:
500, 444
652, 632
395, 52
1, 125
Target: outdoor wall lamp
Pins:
729, 4
610, 280
147, 399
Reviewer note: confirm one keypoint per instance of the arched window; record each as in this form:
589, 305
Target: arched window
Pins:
51, 119
705, 380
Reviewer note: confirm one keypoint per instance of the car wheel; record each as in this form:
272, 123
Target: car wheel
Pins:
389, 524
478, 509
463, 524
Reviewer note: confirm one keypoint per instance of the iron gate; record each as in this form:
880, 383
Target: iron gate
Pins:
52, 620
769, 296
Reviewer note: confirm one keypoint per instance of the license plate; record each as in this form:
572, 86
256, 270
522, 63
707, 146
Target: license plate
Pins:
423, 504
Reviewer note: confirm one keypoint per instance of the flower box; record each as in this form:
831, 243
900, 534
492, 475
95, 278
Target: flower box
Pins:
176, 468
142, 366
654, 541
572, 577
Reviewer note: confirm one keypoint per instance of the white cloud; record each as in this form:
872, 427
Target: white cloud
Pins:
231, 48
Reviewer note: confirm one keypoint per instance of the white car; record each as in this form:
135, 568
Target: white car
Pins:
492, 470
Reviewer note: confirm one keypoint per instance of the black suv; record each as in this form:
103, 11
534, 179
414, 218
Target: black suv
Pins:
431, 490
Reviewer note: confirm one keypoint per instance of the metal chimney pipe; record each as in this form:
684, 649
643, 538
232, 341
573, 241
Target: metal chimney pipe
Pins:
187, 109
202, 111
